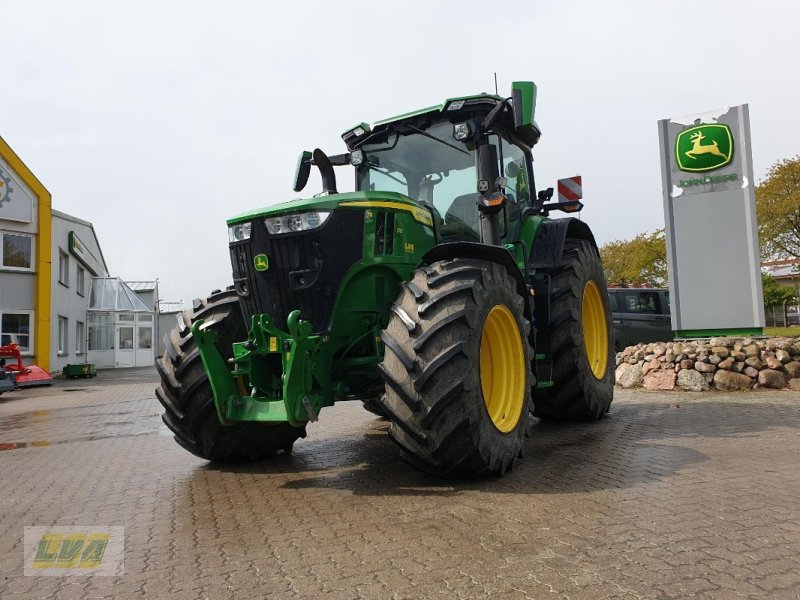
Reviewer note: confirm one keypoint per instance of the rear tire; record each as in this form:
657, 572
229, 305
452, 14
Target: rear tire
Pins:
457, 369
581, 336
188, 400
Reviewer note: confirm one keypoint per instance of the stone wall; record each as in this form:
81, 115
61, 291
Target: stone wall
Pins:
721, 363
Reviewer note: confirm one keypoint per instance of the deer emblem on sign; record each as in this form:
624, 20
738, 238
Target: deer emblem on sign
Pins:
697, 147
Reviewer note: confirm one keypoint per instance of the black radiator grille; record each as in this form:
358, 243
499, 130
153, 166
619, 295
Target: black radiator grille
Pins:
305, 269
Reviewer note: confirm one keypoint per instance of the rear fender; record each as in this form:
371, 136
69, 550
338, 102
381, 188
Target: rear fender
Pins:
548, 245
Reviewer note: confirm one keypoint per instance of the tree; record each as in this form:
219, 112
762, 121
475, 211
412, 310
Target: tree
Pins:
778, 210
640, 261
776, 294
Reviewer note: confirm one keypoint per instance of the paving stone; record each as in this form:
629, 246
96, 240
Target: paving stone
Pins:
676, 494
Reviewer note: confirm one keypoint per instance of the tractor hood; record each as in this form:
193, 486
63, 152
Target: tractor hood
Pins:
346, 200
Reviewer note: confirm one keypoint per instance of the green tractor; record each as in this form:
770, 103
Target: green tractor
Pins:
439, 293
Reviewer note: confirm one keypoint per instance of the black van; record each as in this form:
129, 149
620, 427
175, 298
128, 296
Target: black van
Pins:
641, 315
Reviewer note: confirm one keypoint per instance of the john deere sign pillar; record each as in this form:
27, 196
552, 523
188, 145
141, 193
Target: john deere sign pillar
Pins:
710, 214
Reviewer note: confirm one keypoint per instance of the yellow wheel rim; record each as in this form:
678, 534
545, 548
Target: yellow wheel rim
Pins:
502, 368
595, 333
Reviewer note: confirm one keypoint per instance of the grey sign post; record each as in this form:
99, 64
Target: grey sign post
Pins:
711, 231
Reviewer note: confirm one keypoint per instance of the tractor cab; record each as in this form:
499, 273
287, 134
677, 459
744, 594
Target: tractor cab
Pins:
449, 157
467, 160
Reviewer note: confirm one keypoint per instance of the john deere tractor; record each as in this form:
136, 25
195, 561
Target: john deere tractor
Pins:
439, 293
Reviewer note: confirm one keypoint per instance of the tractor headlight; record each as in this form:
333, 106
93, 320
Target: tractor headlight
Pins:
296, 222
239, 232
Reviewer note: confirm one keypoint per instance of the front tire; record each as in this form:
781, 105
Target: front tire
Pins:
188, 400
457, 369
581, 337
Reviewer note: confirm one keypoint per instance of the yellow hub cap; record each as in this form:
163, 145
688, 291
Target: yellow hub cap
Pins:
502, 368
595, 334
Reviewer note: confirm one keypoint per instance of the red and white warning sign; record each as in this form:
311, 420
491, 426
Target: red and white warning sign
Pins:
570, 189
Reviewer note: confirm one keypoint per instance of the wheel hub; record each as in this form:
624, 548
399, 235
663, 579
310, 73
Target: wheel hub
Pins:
502, 368
595, 333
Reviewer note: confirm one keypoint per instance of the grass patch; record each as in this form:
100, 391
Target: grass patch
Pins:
782, 331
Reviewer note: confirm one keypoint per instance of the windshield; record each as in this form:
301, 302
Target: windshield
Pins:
441, 173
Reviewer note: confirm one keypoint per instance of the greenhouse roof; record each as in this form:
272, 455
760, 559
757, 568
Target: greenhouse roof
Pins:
111, 293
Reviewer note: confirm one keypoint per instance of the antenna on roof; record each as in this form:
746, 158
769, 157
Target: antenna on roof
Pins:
495, 83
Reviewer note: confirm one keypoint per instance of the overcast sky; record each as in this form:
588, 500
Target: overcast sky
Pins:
159, 120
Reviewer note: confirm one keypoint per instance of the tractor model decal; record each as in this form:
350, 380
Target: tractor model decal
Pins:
704, 148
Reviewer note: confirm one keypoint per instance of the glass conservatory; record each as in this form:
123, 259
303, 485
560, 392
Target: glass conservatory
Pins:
120, 324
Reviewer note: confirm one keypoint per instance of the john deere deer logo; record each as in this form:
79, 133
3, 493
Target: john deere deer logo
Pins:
261, 262
704, 148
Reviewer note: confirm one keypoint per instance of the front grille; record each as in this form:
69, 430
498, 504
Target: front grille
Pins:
305, 269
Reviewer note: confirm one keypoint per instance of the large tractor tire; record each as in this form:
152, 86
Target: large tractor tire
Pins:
457, 369
581, 337
188, 400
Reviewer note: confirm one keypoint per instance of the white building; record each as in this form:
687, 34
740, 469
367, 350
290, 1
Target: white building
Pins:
57, 301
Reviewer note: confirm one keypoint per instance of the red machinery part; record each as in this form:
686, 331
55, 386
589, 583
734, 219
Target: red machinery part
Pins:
26, 376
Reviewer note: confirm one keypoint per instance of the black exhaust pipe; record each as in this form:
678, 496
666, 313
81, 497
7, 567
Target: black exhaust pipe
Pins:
325, 170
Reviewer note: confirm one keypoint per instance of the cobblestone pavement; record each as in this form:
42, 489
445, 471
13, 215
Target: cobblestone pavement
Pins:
672, 496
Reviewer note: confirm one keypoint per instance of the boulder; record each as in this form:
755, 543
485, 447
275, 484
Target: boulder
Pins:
714, 359
692, 381
751, 372
772, 379
792, 369
751, 350
738, 356
755, 362
728, 381
783, 356
794, 384
720, 351
660, 380
687, 364
659, 350
650, 366
725, 365
704, 367
739, 367
632, 377
774, 363
620, 370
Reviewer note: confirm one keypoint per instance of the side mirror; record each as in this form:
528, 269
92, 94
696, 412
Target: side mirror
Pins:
302, 171
523, 96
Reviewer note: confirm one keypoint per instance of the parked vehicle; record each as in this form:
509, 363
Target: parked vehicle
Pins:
439, 293
640, 315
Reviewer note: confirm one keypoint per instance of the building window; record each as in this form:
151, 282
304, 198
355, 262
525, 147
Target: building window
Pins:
17, 328
80, 280
17, 251
145, 338
101, 332
63, 268
80, 336
62, 335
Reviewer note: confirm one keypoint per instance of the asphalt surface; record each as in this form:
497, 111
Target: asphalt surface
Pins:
673, 495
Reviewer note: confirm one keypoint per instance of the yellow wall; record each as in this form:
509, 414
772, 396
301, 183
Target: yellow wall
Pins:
43, 255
